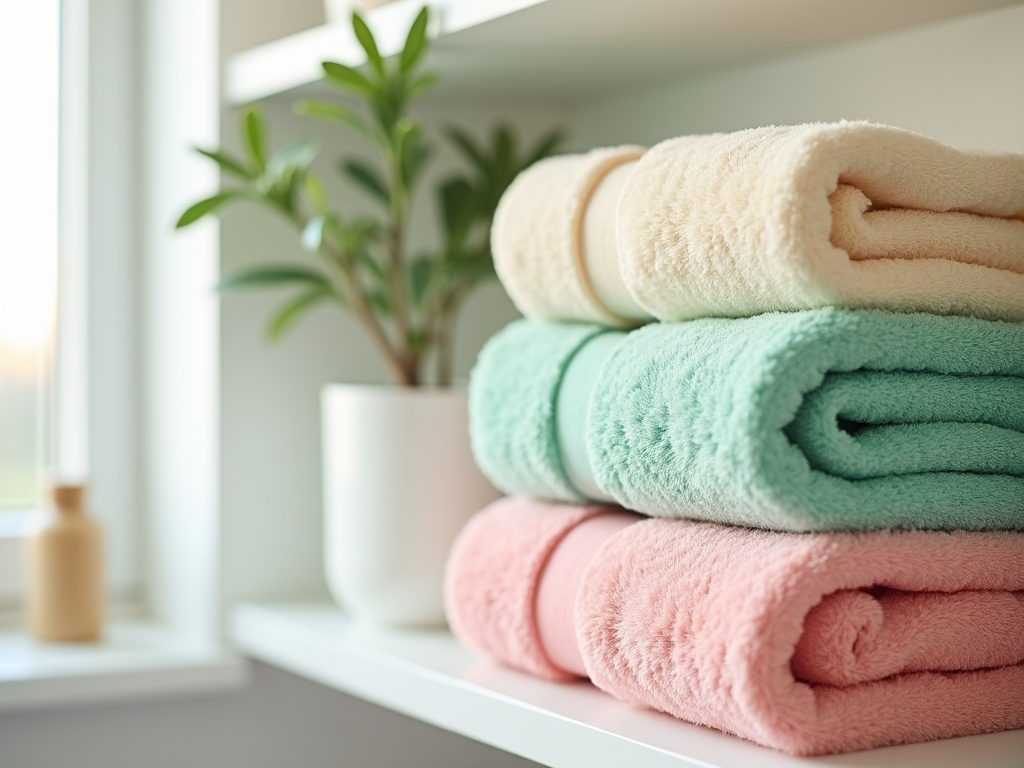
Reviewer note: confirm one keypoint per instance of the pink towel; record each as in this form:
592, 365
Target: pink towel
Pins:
491, 580
808, 643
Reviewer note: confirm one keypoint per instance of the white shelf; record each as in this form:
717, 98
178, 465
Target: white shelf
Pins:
569, 49
135, 659
429, 676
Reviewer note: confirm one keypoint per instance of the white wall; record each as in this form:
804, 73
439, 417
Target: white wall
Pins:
957, 81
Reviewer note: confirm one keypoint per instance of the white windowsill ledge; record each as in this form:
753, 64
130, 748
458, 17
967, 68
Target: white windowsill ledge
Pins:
134, 660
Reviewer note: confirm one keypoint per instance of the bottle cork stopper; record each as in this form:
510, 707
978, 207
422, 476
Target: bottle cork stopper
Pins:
68, 498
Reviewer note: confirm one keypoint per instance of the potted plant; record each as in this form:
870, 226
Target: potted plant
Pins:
398, 475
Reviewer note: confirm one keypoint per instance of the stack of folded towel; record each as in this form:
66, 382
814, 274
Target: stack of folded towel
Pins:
824, 438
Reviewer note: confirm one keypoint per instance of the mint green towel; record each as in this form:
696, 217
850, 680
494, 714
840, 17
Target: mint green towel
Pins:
807, 421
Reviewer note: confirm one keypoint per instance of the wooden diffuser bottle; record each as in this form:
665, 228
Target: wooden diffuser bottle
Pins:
65, 590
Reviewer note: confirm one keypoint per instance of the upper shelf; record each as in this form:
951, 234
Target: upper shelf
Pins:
557, 49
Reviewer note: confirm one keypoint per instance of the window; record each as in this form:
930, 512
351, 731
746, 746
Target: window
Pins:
29, 140
64, 146
29, 41
131, 396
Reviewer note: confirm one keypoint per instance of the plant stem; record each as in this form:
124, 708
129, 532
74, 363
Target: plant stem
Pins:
394, 358
444, 353
444, 336
396, 242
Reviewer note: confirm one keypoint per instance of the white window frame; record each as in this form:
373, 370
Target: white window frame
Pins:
93, 402
97, 392
12, 520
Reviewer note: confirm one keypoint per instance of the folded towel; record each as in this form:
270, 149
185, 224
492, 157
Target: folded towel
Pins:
818, 420
499, 620
806, 643
779, 218
543, 225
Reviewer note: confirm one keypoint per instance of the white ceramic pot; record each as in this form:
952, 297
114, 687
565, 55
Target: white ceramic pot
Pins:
399, 484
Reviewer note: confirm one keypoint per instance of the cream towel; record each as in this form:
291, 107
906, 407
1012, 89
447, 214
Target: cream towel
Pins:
797, 217
539, 234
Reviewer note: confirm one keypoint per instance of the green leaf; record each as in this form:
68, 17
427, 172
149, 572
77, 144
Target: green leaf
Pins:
296, 184
416, 162
385, 115
358, 234
296, 156
197, 210
421, 85
346, 78
421, 270
415, 43
280, 187
412, 152
469, 148
269, 277
226, 162
314, 189
380, 301
254, 137
364, 257
326, 110
365, 38
458, 209
285, 317
544, 147
504, 152
368, 179
475, 268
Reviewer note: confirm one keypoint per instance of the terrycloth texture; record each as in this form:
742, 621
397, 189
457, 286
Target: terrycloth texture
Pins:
806, 643
818, 420
701, 621
855, 636
491, 579
512, 418
846, 214
601, 261
571, 408
558, 583
538, 233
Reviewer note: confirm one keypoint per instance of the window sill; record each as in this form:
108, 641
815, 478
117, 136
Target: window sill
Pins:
135, 660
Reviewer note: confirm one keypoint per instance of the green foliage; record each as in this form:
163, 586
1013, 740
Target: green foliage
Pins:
227, 164
368, 179
332, 112
365, 38
292, 310
262, 277
468, 203
346, 78
405, 305
196, 211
